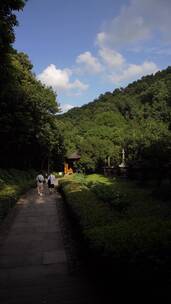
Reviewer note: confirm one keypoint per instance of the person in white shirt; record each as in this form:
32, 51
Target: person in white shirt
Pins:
51, 182
40, 181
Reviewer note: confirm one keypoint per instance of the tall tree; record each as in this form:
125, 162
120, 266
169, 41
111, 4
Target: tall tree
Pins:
28, 128
8, 21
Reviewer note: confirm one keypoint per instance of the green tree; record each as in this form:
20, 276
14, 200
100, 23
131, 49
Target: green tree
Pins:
8, 21
136, 117
28, 116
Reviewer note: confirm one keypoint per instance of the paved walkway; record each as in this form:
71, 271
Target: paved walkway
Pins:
33, 261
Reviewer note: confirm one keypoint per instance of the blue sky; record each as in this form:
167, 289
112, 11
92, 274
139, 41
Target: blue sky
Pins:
85, 48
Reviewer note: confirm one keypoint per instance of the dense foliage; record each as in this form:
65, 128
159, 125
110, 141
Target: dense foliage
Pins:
136, 118
120, 222
12, 184
7, 22
29, 134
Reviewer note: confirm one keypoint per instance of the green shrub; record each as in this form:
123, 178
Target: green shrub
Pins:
137, 238
84, 204
114, 197
12, 184
119, 220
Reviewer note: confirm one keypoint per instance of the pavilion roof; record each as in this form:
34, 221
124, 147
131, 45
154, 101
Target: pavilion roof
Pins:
74, 155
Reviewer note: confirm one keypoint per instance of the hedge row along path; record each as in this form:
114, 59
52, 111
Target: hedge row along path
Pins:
33, 260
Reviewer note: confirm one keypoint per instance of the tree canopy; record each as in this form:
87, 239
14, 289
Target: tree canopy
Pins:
28, 121
29, 132
136, 118
8, 21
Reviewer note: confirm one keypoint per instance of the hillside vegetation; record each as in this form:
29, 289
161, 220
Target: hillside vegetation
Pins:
136, 118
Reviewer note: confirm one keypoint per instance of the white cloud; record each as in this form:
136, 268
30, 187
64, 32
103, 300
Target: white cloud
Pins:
134, 71
137, 21
89, 63
66, 107
77, 84
59, 79
111, 57
101, 38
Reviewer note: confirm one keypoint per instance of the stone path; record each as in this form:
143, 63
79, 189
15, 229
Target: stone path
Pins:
33, 261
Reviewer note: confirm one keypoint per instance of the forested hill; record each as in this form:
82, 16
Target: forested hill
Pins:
136, 117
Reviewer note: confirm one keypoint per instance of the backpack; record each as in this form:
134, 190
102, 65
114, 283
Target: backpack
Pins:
40, 179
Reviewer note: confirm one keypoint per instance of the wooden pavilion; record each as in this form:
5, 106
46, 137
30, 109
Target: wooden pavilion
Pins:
69, 165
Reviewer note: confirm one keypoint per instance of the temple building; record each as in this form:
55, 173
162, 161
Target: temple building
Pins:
69, 165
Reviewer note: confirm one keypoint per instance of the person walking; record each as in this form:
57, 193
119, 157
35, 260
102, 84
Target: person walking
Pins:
51, 182
40, 181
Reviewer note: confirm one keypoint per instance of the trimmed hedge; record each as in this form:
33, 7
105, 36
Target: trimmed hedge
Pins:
86, 207
137, 232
